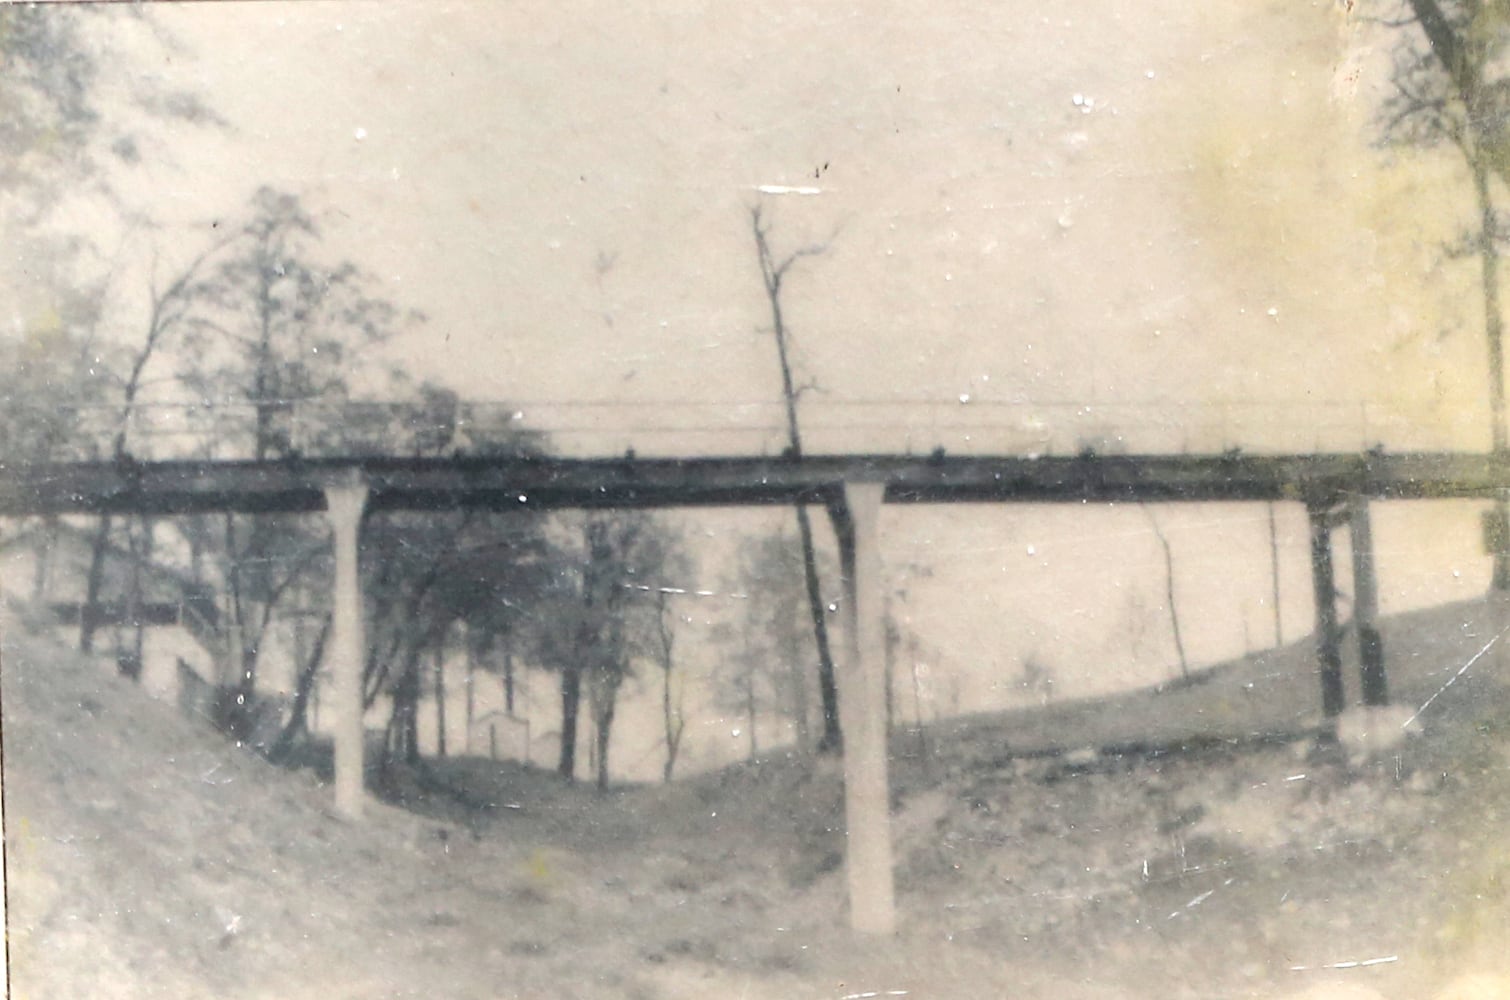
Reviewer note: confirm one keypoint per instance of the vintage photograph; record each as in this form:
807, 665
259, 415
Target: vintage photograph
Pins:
518, 501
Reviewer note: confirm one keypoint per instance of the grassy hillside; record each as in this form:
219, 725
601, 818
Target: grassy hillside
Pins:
1184, 842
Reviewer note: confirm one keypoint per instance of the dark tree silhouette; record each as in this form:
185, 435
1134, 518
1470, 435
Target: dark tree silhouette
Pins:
601, 619
773, 272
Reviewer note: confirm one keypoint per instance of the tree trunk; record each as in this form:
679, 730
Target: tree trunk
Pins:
508, 675
1279, 632
471, 688
773, 274
751, 713
604, 726
129, 660
402, 746
828, 689
390, 738
1494, 332
673, 725
403, 726
199, 530
45, 554
411, 722
571, 704
1174, 613
89, 614
262, 589
440, 698
304, 695
917, 696
230, 675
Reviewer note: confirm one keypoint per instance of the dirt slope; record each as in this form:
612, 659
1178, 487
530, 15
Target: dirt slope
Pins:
148, 859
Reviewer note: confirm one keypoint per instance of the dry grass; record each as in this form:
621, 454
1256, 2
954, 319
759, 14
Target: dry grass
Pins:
1164, 843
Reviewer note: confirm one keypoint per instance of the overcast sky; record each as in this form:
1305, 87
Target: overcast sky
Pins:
1046, 226
1173, 213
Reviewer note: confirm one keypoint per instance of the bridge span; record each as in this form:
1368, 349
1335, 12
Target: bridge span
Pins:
1335, 488
296, 485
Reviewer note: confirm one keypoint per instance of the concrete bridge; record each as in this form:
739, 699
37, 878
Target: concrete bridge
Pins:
1335, 488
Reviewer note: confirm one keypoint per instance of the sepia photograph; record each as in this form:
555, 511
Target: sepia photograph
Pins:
758, 501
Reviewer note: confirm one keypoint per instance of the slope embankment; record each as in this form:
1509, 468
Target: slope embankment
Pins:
1178, 842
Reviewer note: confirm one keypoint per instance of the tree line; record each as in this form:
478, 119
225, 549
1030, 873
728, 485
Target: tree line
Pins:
255, 320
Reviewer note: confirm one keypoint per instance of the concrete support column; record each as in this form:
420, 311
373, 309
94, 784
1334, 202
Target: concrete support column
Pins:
862, 707
1375, 688
1323, 584
344, 503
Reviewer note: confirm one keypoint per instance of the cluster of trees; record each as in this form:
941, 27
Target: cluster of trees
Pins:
260, 323
256, 337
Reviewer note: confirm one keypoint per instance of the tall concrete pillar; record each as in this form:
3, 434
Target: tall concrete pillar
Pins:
344, 503
1324, 587
862, 707
1374, 688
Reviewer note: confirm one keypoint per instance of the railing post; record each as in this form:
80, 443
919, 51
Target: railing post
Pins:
862, 706
344, 504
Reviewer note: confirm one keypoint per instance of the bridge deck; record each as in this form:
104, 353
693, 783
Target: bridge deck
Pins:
183, 487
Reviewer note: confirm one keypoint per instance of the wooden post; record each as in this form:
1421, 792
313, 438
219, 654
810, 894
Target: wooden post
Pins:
1375, 688
1328, 655
862, 705
344, 503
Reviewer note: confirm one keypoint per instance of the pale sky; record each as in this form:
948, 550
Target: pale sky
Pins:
1166, 211
1138, 224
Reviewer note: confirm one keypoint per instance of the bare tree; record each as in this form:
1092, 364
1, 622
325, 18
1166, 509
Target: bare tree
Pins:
767, 648
663, 650
57, 141
742, 682
297, 724
170, 311
600, 620
440, 695
773, 272
273, 327
1451, 89
1174, 611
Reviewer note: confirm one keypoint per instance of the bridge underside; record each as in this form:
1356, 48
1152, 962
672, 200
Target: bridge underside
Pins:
1336, 490
294, 485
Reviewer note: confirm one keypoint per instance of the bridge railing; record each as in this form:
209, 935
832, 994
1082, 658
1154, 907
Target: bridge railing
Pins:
313, 428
